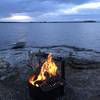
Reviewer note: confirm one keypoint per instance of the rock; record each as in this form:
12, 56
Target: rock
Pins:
19, 45
2, 77
84, 83
2, 71
4, 64
83, 64
70, 93
96, 97
6, 93
7, 75
13, 85
87, 56
5, 69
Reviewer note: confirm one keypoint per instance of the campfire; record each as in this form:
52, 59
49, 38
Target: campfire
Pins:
46, 81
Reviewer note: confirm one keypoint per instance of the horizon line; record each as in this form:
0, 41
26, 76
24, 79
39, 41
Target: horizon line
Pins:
92, 21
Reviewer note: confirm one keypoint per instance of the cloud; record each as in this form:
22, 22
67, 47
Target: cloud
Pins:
71, 9
47, 10
82, 7
17, 18
8, 7
66, 1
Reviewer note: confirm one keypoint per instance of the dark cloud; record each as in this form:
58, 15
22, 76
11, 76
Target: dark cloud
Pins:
13, 6
37, 8
17, 6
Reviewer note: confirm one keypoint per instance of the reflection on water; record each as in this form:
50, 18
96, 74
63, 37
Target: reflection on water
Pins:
76, 34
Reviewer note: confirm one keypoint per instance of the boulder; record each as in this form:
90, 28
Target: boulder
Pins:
19, 45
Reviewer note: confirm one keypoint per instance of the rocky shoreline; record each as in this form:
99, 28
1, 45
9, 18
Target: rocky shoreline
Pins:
82, 73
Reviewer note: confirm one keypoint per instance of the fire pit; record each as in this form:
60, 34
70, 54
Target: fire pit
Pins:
46, 83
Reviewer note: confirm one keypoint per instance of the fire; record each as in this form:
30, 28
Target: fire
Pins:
48, 69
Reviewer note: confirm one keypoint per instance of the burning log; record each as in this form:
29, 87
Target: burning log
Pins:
52, 83
46, 81
42, 55
49, 89
49, 67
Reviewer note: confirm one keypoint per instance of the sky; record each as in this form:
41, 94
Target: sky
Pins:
49, 10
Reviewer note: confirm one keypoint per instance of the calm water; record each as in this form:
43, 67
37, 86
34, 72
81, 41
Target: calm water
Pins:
75, 34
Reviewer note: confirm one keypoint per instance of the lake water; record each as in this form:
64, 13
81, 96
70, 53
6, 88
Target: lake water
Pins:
85, 35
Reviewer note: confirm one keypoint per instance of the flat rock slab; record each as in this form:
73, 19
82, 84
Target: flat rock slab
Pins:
15, 86
85, 84
81, 84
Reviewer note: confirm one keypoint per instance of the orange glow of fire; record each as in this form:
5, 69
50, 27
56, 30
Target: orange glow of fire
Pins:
49, 67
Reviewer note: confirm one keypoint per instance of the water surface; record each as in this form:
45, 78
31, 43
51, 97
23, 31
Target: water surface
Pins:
85, 35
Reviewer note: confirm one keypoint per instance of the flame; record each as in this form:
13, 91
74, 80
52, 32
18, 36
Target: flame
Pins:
48, 69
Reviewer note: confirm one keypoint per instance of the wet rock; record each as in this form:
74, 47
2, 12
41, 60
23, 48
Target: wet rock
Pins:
83, 64
5, 69
4, 64
87, 56
84, 60
84, 83
6, 93
95, 97
70, 94
14, 86
19, 45
7, 75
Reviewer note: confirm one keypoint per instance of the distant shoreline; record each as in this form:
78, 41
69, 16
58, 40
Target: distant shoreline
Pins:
90, 21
